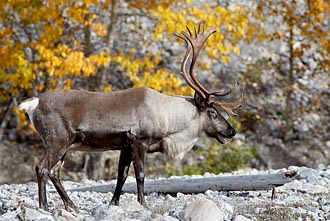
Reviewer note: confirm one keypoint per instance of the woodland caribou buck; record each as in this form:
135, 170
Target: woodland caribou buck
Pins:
135, 121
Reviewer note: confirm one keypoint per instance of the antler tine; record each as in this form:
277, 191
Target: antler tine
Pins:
187, 30
221, 93
199, 29
230, 106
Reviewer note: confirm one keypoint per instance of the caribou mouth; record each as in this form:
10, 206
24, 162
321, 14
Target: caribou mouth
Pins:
221, 139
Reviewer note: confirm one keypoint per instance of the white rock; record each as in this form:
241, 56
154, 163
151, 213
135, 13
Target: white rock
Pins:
311, 175
166, 218
133, 206
28, 214
227, 209
327, 216
181, 196
307, 187
88, 218
209, 193
63, 215
9, 216
108, 213
241, 218
326, 209
203, 209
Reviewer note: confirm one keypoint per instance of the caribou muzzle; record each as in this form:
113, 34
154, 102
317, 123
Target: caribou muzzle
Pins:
226, 134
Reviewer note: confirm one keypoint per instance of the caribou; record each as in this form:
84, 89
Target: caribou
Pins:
135, 121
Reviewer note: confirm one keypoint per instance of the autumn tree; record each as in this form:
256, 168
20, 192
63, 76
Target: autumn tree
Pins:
302, 26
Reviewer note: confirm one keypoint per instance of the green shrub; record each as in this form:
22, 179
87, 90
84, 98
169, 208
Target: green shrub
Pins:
218, 159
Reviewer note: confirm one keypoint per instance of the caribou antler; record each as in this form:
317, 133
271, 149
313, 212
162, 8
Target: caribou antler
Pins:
195, 42
229, 107
183, 67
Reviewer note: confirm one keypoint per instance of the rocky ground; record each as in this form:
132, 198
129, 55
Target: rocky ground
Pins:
307, 197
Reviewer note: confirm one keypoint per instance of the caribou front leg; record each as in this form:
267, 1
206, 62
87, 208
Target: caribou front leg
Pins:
139, 150
123, 168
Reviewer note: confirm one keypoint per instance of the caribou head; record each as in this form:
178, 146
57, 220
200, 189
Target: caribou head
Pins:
215, 125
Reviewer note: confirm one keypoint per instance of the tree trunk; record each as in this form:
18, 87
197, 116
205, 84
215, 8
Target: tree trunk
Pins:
7, 118
290, 111
200, 185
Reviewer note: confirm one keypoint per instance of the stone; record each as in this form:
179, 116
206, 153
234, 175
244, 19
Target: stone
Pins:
63, 215
203, 209
168, 218
134, 206
108, 213
307, 187
326, 209
227, 209
327, 216
179, 214
137, 210
209, 193
311, 175
9, 216
27, 214
241, 218
88, 218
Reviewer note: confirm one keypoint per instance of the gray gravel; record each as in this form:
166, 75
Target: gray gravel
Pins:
305, 198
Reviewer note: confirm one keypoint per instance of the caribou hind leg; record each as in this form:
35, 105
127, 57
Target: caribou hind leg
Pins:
42, 177
48, 167
57, 138
54, 176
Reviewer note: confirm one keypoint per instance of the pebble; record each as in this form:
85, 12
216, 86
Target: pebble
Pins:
241, 218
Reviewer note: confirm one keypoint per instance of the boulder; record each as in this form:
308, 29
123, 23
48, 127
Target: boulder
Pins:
203, 209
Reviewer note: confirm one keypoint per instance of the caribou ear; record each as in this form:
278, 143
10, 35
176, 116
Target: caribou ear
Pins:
200, 101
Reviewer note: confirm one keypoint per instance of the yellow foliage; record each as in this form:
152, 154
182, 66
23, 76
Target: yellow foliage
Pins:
49, 58
21, 116
67, 84
107, 88
144, 72
151, 4
232, 23
100, 29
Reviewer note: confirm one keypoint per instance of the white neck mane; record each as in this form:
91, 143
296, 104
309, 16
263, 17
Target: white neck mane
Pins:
176, 145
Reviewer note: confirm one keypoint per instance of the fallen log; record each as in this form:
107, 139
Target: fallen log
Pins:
200, 185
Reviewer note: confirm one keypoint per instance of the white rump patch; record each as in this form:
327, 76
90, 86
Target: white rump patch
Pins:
29, 106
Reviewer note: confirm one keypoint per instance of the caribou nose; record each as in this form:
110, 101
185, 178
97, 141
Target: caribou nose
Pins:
231, 132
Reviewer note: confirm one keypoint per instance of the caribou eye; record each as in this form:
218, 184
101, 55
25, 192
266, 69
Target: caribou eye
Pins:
212, 113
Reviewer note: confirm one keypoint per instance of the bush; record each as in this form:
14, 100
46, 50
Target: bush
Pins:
217, 159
